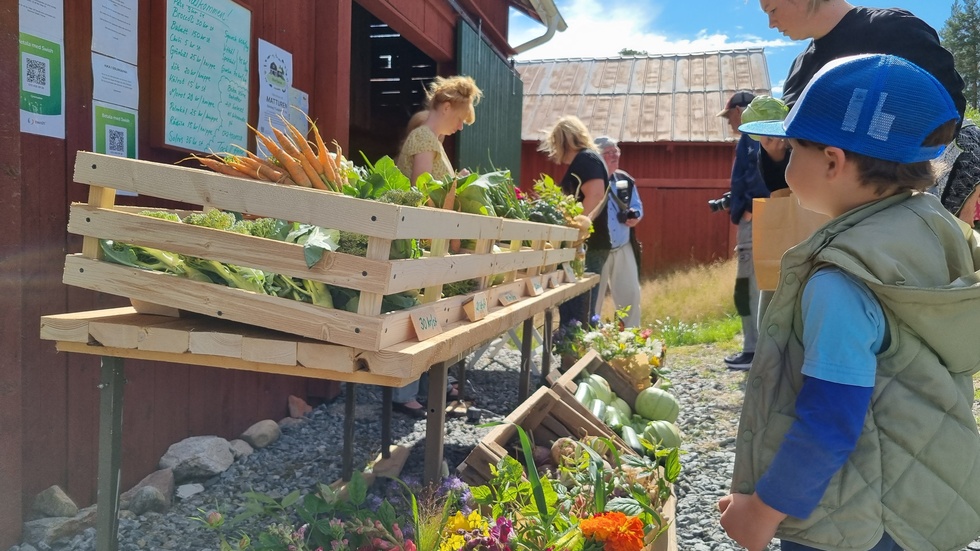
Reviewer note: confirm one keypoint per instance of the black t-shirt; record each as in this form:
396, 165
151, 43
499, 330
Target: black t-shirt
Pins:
588, 165
773, 172
878, 31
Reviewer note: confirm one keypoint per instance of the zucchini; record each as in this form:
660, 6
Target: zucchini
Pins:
598, 408
632, 439
584, 394
614, 418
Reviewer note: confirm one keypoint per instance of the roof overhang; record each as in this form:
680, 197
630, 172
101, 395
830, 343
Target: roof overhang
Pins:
540, 11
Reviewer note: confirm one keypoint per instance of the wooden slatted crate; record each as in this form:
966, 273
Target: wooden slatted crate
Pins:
373, 276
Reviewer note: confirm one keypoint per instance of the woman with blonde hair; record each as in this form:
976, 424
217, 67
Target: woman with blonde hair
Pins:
449, 105
569, 143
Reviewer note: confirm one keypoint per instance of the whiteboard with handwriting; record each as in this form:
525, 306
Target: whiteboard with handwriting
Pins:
207, 75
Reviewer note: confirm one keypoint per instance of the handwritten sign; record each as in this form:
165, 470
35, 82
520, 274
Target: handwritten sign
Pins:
476, 307
534, 287
207, 72
508, 297
569, 272
426, 323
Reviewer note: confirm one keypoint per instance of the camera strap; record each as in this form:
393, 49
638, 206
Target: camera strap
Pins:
623, 206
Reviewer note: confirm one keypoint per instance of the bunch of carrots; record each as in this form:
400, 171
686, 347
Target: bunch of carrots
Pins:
294, 160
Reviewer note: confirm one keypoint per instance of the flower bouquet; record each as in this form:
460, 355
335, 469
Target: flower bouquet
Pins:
633, 351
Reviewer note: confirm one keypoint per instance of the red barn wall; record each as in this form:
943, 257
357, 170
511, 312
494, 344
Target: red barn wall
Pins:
49, 401
675, 182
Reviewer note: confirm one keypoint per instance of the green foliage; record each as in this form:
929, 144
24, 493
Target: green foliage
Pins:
627, 52
679, 333
212, 218
161, 214
959, 36
549, 192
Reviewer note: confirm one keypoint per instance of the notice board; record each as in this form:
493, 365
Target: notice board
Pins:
204, 97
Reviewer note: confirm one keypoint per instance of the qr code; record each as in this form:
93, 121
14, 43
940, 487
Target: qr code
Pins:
115, 140
36, 74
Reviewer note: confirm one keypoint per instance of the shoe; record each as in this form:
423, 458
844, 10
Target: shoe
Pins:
742, 360
418, 413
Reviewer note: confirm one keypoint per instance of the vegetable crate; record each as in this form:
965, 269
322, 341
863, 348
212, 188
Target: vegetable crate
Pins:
546, 416
526, 270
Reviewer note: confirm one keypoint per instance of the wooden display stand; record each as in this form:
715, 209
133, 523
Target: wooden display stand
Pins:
237, 329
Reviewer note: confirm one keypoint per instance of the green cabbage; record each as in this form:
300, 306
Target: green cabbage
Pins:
764, 108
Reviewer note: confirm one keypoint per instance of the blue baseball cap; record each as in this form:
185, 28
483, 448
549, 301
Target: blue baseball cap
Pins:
880, 106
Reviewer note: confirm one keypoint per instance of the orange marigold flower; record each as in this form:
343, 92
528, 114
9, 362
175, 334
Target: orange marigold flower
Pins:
602, 525
629, 536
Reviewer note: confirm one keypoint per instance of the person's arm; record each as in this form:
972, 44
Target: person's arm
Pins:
422, 163
635, 204
593, 192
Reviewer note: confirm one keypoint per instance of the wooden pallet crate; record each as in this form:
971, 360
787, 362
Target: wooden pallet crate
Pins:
373, 276
546, 416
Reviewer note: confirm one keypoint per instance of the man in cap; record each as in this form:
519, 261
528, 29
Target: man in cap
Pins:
746, 184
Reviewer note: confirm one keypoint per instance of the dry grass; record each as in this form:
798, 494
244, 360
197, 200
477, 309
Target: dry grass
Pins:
695, 295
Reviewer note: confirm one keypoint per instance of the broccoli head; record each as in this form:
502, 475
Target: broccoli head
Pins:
213, 218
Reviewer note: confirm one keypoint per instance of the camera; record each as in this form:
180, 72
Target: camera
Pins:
628, 214
722, 203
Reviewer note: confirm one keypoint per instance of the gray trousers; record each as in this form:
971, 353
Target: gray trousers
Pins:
746, 294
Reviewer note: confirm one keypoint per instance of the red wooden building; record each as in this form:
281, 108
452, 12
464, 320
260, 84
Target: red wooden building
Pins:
363, 63
662, 109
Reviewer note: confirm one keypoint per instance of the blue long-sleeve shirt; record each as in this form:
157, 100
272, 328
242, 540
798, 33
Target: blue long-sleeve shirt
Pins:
747, 182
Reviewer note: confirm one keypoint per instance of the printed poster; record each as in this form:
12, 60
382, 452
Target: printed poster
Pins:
114, 24
275, 82
115, 130
41, 72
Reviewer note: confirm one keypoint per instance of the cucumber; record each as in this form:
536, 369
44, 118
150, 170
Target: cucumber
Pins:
632, 439
614, 419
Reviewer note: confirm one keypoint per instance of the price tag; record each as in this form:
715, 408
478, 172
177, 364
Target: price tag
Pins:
553, 279
476, 307
508, 297
569, 273
534, 287
426, 323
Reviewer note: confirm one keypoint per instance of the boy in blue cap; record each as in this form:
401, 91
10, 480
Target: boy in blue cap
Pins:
857, 431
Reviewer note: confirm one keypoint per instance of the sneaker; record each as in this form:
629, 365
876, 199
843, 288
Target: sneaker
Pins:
742, 360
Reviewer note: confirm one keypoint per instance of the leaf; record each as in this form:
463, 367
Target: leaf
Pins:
290, 499
532, 474
386, 514
481, 494
672, 465
625, 505
357, 489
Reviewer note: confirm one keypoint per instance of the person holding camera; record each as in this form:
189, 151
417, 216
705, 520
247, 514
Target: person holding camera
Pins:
621, 272
746, 184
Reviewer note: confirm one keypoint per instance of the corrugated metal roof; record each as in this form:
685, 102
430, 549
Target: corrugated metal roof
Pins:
656, 98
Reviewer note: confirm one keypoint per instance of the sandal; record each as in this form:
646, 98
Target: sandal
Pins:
417, 413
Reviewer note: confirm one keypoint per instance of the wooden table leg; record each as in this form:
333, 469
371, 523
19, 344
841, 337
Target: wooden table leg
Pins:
546, 346
347, 459
527, 340
110, 452
386, 393
435, 424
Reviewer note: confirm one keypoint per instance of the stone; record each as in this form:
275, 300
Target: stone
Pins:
44, 532
162, 480
149, 499
290, 422
298, 407
262, 434
185, 491
54, 502
198, 458
241, 448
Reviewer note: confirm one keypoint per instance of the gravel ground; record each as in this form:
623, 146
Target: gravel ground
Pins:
710, 397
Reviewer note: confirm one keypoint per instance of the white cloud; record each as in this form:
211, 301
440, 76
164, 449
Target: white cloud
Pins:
633, 27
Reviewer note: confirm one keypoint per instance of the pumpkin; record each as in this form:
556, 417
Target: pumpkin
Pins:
657, 404
664, 433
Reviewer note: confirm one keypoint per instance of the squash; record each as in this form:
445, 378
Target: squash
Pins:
631, 438
664, 433
657, 404
584, 393
598, 408
601, 388
620, 405
614, 419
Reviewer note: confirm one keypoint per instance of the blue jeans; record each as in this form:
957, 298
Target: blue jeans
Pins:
574, 308
885, 544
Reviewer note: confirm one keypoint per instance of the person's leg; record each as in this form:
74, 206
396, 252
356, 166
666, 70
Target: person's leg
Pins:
624, 283
407, 393
594, 261
745, 274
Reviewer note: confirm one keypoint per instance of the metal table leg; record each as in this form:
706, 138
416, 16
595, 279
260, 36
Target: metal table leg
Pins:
110, 452
527, 340
435, 424
546, 346
386, 393
347, 465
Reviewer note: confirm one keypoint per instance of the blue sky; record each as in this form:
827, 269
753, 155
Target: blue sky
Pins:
601, 28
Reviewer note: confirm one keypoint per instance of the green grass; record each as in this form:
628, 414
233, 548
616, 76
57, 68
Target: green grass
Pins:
680, 333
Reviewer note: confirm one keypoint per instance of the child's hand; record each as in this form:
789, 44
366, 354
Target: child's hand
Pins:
749, 521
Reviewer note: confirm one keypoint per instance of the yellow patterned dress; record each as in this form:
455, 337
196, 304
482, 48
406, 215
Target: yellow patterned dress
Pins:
421, 140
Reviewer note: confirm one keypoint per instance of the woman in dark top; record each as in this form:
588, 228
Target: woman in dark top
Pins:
838, 29
569, 143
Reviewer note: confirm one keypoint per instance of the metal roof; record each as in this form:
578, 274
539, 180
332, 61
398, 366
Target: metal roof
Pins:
655, 98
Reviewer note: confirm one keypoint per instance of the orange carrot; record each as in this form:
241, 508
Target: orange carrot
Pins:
308, 159
450, 201
287, 161
323, 155
287, 144
260, 170
218, 166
